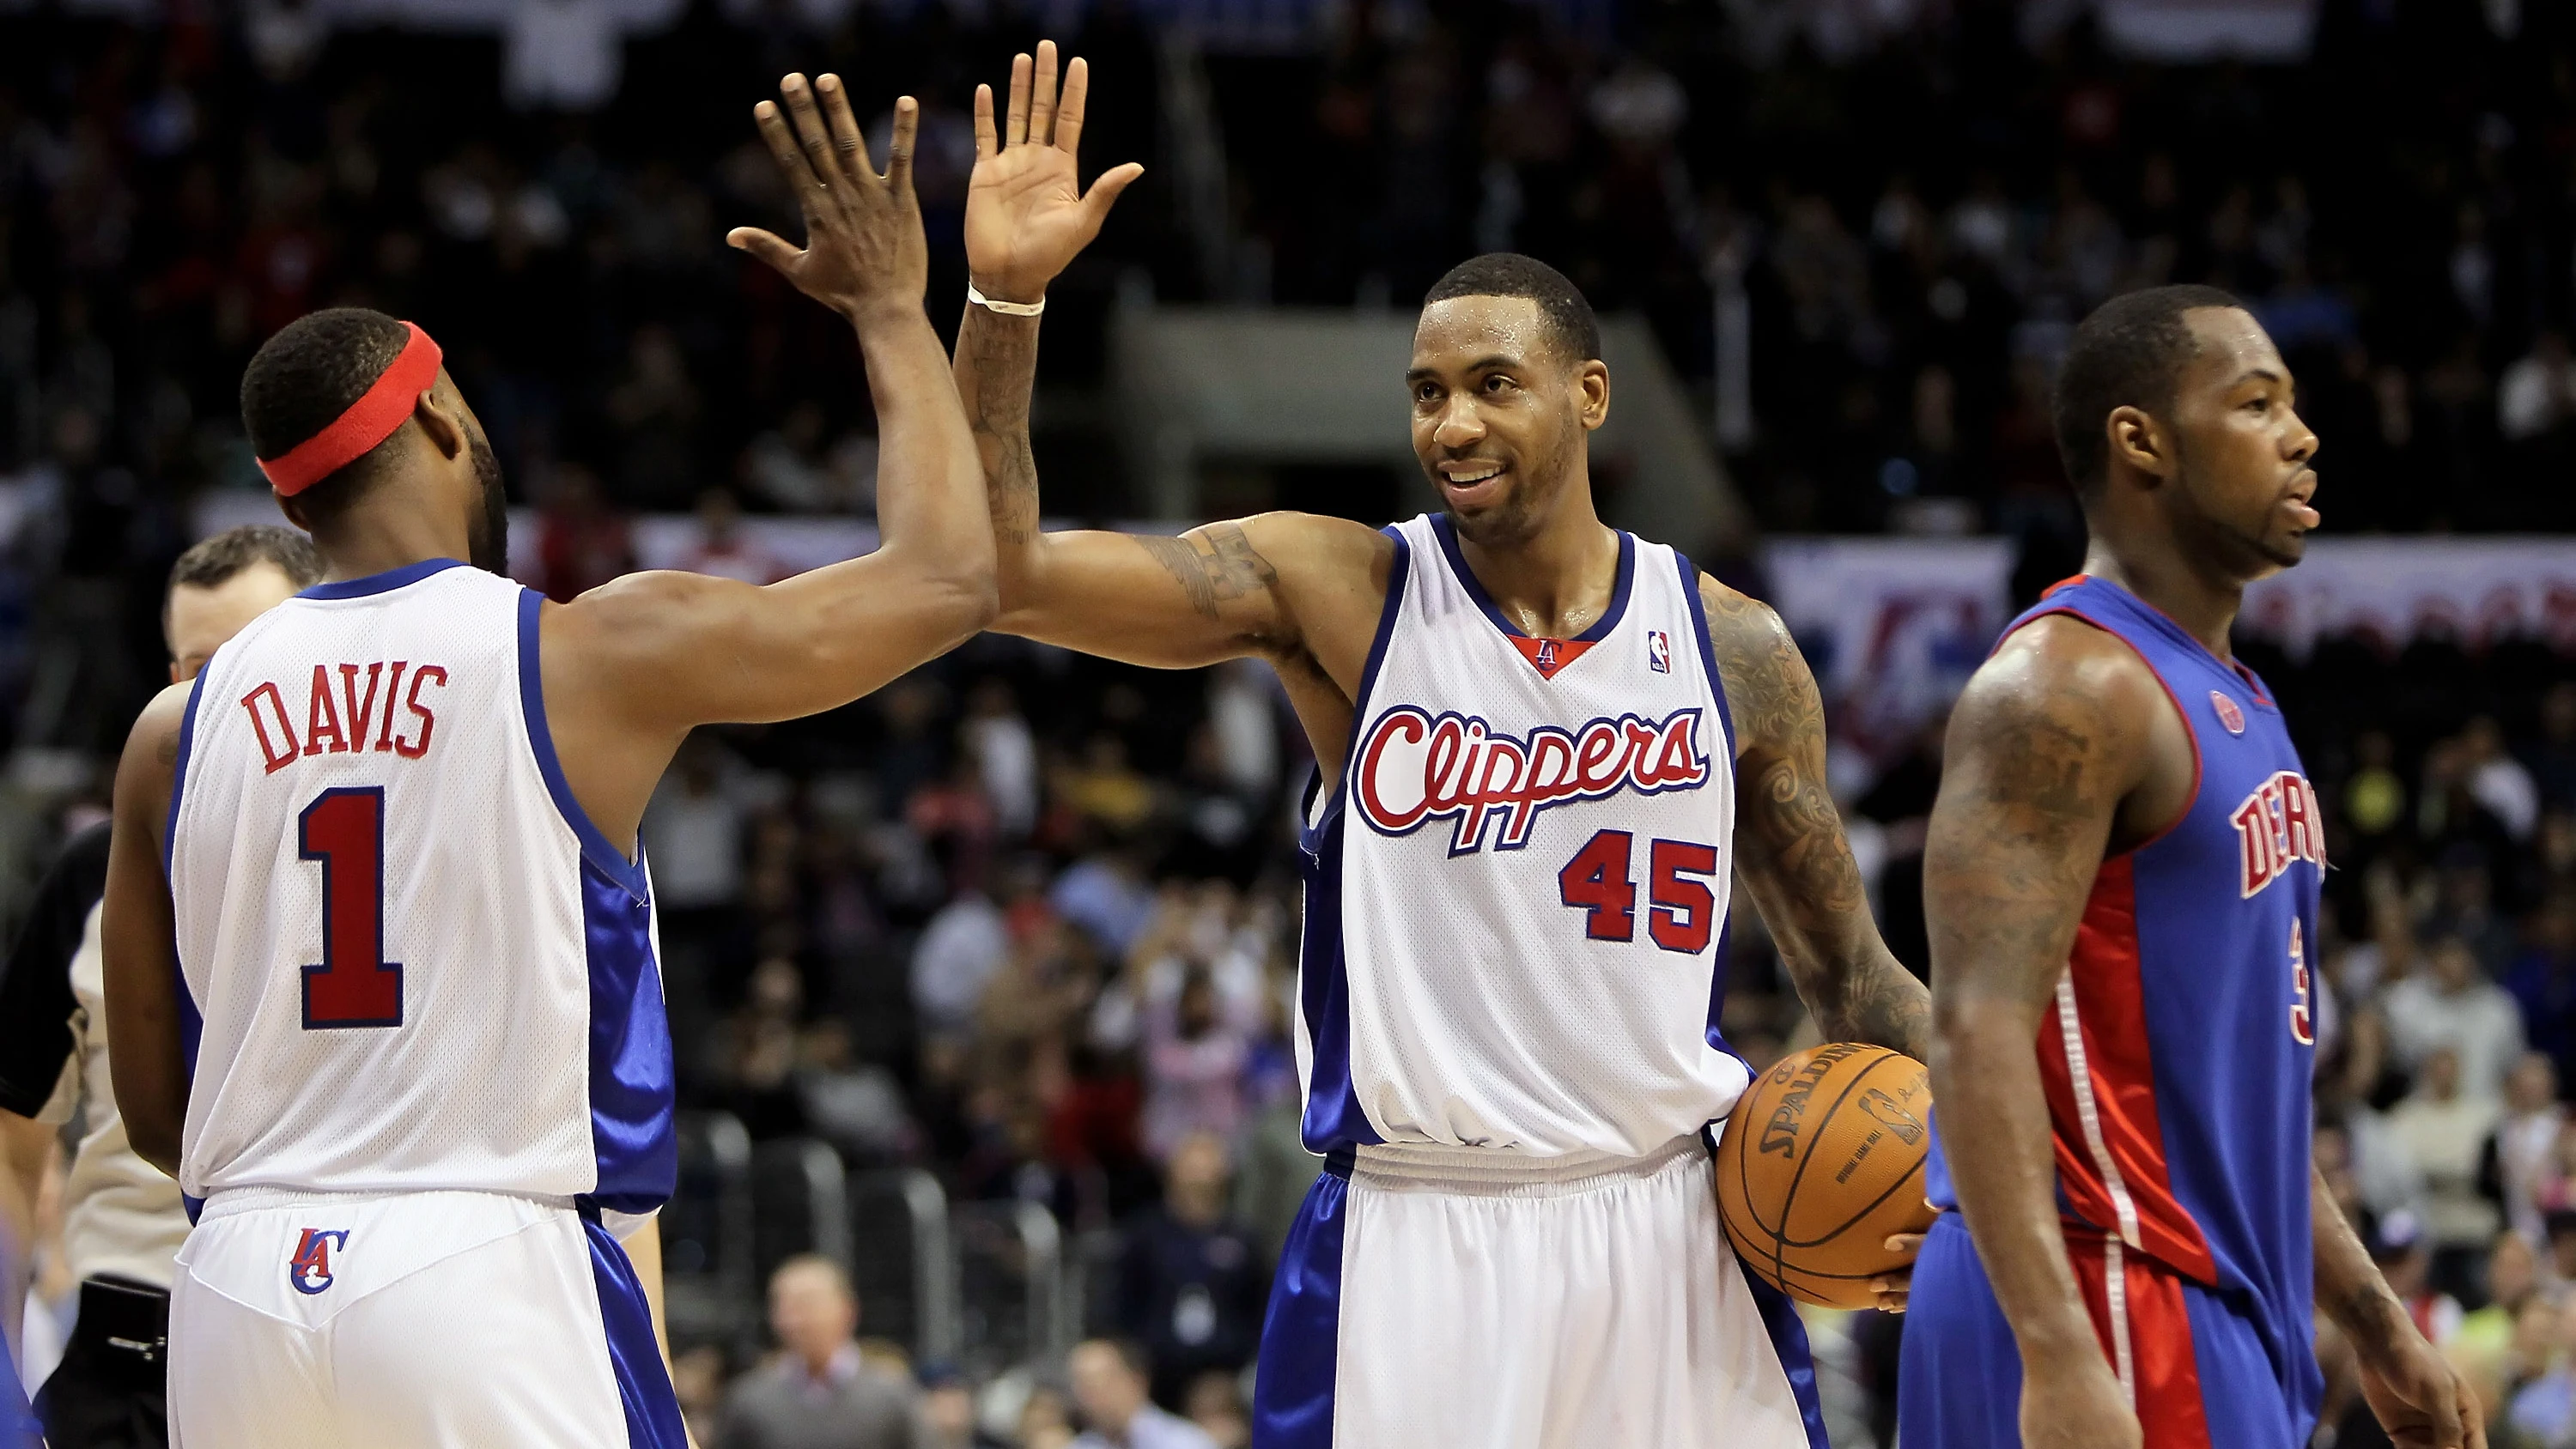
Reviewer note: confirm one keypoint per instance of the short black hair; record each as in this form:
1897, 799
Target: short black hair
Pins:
1570, 322
2129, 353
303, 378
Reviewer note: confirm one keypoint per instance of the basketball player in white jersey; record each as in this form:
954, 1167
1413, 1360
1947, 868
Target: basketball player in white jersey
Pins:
1548, 750
390, 1009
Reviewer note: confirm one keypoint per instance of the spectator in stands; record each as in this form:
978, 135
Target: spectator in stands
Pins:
2484, 1341
2523, 1152
1215, 1404
2553, 756
2445, 1131
1109, 1378
2497, 780
1190, 1288
956, 959
1194, 1065
2543, 1407
2537, 394
2454, 1005
581, 542
723, 549
2543, 982
948, 1412
816, 1394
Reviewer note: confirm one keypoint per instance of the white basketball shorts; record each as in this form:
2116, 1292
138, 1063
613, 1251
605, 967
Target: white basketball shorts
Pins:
1475, 1300
433, 1320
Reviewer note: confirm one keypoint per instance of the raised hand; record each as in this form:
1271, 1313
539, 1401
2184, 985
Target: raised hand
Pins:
863, 243
1026, 212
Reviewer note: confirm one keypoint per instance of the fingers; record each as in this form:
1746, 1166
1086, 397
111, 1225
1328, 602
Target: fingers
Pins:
907, 123
1068, 112
769, 248
1104, 191
849, 145
784, 150
986, 140
1015, 125
1908, 1244
1042, 97
811, 133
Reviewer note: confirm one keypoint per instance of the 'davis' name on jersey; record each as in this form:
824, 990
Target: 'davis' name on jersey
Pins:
341, 706
1413, 768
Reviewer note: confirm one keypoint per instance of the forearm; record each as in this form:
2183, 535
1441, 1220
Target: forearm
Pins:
26, 1146
2350, 1291
996, 371
1995, 1133
1866, 994
930, 508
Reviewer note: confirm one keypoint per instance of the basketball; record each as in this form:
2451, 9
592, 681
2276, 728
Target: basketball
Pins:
1822, 1160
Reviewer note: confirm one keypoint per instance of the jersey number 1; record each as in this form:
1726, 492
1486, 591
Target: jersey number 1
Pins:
355, 985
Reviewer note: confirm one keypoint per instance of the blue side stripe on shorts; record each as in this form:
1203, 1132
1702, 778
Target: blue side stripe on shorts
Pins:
1789, 1340
1292, 1396
634, 1354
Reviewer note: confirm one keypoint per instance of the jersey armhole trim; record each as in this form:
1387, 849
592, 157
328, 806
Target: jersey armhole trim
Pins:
595, 846
1707, 651
2190, 736
179, 770
1310, 827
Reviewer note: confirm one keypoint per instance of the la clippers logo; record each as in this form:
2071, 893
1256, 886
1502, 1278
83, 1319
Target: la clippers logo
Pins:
310, 1269
2279, 824
1414, 768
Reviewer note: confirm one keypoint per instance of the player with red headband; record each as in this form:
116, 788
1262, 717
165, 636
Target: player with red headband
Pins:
379, 948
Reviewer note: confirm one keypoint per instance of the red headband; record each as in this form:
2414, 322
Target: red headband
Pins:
369, 421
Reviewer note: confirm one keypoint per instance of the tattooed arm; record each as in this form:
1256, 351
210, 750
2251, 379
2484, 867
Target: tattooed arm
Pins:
1789, 843
1270, 585
2049, 741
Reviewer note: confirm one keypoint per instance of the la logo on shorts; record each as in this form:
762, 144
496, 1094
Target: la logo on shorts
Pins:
310, 1269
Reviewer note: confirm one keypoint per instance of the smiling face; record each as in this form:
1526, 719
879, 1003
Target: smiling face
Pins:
1499, 414
2240, 478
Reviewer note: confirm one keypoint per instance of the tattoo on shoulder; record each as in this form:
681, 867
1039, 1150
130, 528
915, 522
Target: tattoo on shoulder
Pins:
1769, 693
1213, 566
2050, 759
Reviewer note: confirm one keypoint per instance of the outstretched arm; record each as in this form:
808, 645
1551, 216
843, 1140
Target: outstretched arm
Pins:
632, 666
1790, 849
2043, 747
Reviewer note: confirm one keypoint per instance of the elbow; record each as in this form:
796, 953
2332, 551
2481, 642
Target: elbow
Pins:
155, 1143
966, 599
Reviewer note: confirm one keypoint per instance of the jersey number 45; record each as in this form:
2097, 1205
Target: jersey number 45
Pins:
344, 829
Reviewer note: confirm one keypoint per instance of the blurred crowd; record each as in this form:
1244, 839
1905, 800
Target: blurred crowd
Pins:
1028, 920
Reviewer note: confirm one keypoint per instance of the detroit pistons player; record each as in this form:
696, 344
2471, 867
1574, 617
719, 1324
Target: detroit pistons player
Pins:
417, 1068
2123, 868
1548, 750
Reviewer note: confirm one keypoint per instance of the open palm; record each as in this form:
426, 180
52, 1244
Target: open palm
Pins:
1027, 215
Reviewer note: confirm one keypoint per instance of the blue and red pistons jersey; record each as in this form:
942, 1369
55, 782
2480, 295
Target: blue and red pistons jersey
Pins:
2176, 1059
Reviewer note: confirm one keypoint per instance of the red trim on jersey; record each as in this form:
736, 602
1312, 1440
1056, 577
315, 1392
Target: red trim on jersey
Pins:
2164, 1364
2111, 1017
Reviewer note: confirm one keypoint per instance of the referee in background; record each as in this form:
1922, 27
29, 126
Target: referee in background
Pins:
122, 1220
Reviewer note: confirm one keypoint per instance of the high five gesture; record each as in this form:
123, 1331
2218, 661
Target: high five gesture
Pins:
863, 241
1026, 212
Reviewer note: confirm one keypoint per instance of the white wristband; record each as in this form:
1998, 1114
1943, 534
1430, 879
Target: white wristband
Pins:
1007, 309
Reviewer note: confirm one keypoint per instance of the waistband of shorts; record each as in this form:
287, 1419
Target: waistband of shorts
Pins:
1482, 1172
226, 1202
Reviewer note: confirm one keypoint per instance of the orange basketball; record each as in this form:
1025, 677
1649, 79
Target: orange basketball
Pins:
1821, 1161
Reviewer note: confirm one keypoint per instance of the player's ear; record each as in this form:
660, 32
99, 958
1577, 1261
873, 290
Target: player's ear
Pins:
444, 429
2138, 440
1592, 393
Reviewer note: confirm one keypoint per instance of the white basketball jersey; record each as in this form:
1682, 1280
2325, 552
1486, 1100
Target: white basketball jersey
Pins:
413, 962
1516, 898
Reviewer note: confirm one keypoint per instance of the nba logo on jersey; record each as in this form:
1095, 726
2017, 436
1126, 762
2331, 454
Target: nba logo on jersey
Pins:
2228, 714
310, 1269
1659, 651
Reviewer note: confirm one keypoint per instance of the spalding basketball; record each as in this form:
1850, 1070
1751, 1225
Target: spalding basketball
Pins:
1820, 1162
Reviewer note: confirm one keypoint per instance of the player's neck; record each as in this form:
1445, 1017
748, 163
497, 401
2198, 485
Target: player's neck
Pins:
1557, 582
373, 539
2204, 604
